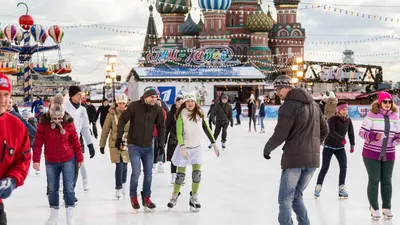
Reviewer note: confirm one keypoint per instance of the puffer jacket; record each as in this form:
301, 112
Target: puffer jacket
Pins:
221, 113
303, 129
58, 148
373, 124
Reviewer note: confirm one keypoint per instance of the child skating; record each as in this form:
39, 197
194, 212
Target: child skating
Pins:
339, 125
190, 122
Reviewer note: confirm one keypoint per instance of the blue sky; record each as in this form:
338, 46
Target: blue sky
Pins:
132, 15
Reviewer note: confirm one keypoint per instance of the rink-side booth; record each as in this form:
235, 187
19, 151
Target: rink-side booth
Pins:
209, 83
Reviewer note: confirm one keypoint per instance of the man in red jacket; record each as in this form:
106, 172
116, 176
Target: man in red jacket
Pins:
15, 154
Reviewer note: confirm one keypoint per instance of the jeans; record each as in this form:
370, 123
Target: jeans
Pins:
326, 160
53, 171
238, 118
262, 122
3, 216
293, 183
121, 173
218, 130
145, 155
379, 171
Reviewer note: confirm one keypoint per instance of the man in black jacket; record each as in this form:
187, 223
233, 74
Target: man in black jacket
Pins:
302, 127
143, 115
91, 111
221, 116
102, 111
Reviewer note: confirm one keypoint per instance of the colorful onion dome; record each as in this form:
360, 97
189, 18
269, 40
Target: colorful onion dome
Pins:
173, 6
215, 4
259, 22
189, 28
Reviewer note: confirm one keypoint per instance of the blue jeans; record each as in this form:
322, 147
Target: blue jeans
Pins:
121, 172
53, 171
146, 155
262, 122
293, 183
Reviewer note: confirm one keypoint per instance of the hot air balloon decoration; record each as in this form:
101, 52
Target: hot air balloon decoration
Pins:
56, 33
44, 37
10, 32
37, 32
18, 39
25, 21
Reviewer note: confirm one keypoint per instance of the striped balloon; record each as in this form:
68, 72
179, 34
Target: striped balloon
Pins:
56, 33
37, 32
18, 37
215, 4
10, 32
44, 37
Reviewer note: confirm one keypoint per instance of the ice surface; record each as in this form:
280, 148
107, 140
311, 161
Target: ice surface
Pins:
240, 187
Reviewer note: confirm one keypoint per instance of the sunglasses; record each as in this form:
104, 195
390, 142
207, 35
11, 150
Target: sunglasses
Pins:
387, 102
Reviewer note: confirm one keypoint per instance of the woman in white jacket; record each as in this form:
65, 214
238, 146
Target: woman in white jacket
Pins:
190, 122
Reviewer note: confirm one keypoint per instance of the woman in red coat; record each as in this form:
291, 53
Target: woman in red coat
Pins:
62, 150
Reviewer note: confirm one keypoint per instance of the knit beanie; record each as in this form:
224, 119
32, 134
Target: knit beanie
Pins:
5, 84
224, 96
341, 105
190, 96
149, 91
121, 98
26, 114
383, 95
283, 81
73, 90
57, 110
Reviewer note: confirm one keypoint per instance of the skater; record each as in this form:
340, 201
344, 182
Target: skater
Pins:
189, 125
159, 157
209, 114
170, 134
330, 106
72, 104
62, 150
119, 157
91, 111
221, 115
262, 114
15, 164
335, 143
142, 114
36, 105
251, 109
238, 108
380, 130
102, 111
302, 127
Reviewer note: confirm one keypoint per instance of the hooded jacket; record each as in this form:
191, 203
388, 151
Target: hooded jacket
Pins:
302, 127
221, 113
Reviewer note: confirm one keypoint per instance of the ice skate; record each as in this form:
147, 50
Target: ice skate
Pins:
342, 192
148, 205
70, 216
123, 189
53, 217
387, 213
210, 146
135, 203
37, 172
317, 191
173, 177
85, 184
194, 203
374, 213
223, 145
174, 199
160, 167
118, 193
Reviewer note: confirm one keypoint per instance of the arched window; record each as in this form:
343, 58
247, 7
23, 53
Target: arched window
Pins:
232, 21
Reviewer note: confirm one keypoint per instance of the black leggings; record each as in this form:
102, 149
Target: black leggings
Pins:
326, 160
3, 216
252, 117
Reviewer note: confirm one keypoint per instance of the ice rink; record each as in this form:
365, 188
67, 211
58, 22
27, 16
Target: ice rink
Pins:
238, 188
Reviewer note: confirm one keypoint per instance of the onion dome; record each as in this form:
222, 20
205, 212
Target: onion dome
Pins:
189, 28
259, 22
173, 6
215, 4
201, 23
269, 14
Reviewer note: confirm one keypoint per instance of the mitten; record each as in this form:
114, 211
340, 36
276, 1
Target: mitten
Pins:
7, 186
352, 149
266, 155
183, 152
102, 150
216, 150
344, 142
91, 150
119, 143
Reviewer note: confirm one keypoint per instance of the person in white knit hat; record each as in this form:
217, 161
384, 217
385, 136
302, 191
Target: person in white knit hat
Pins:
62, 151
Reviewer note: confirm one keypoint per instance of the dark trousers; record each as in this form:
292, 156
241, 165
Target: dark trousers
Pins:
379, 171
3, 216
94, 128
252, 117
210, 123
218, 130
121, 173
158, 155
326, 161
173, 168
238, 118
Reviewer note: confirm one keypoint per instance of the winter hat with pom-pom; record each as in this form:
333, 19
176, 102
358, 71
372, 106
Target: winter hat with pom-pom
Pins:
57, 111
332, 94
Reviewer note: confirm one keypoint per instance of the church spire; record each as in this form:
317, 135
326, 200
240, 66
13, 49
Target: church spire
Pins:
151, 39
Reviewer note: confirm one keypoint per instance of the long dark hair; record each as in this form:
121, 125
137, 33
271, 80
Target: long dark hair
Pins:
193, 115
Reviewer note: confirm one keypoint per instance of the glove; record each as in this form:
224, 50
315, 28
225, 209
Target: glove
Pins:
344, 142
352, 149
183, 152
91, 150
231, 123
7, 186
102, 150
266, 155
216, 150
119, 143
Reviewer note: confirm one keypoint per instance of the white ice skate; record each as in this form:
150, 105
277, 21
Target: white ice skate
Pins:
194, 203
374, 213
387, 213
223, 145
160, 167
342, 192
85, 185
53, 217
37, 172
118, 193
123, 189
174, 199
70, 216
173, 177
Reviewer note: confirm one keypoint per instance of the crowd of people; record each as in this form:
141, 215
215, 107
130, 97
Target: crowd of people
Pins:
138, 132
